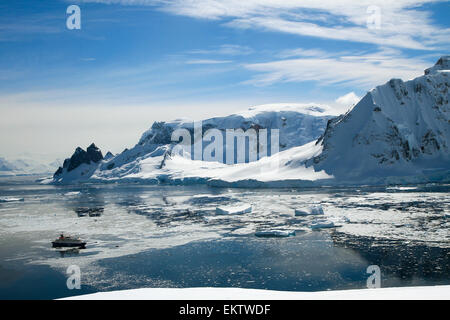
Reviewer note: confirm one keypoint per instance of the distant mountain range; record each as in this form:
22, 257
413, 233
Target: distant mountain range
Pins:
24, 166
399, 132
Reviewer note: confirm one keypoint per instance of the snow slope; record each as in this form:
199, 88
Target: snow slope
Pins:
398, 133
403, 293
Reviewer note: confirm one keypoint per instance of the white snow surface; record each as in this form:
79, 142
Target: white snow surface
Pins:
402, 293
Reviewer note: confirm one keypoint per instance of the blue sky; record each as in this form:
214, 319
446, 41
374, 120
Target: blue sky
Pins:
137, 61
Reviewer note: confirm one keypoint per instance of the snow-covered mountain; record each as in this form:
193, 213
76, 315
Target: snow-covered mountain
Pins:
23, 166
298, 124
398, 132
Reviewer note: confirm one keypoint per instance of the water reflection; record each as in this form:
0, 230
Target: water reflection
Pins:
68, 252
92, 212
162, 210
86, 202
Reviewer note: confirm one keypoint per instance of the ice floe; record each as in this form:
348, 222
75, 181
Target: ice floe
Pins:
311, 211
275, 233
239, 209
11, 199
322, 224
72, 193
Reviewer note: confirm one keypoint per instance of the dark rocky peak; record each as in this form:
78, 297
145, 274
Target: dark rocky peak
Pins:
92, 154
108, 155
160, 133
443, 64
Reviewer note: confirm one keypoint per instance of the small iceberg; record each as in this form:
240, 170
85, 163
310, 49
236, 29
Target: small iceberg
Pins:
11, 199
72, 193
275, 234
322, 224
401, 188
311, 211
234, 209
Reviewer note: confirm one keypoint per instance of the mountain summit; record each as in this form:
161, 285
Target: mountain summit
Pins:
443, 65
78, 159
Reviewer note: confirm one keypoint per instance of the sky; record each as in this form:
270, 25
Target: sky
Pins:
133, 62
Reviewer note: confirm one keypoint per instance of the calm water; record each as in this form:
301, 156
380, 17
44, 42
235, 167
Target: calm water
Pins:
170, 236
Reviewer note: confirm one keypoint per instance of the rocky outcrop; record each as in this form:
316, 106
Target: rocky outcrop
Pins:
443, 64
80, 156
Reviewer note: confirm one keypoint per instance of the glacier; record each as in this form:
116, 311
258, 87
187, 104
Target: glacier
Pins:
398, 133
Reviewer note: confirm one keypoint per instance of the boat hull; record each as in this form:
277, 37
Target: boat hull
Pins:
81, 245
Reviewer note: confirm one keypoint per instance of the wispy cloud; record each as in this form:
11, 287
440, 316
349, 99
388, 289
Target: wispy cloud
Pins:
14, 28
361, 70
404, 23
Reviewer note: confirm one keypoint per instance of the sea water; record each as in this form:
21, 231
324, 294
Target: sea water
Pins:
171, 236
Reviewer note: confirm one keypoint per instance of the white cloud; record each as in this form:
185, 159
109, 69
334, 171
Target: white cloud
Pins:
348, 100
360, 70
404, 23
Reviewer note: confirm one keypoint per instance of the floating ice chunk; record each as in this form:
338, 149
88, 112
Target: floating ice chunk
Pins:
275, 233
246, 208
312, 211
72, 193
11, 199
243, 231
323, 224
344, 220
401, 188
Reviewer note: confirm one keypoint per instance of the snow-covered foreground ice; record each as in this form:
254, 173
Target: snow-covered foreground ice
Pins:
408, 293
133, 219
